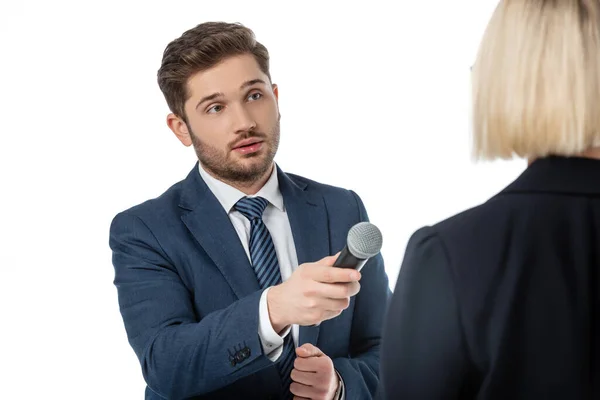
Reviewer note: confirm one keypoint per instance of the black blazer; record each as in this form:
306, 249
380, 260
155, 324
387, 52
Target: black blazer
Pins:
502, 300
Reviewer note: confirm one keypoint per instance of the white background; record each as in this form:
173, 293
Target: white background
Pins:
373, 98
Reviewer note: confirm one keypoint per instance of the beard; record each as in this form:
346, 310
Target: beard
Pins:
222, 166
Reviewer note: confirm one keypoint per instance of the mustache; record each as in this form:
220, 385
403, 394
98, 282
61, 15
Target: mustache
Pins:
249, 135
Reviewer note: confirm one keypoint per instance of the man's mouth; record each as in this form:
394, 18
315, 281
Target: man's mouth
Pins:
248, 146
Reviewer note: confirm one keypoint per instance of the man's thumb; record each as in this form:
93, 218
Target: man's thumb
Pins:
329, 260
308, 350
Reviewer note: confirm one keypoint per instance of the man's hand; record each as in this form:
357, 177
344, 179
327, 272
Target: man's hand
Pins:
313, 376
314, 293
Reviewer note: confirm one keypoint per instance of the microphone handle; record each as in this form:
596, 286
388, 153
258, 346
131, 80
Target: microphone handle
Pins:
348, 260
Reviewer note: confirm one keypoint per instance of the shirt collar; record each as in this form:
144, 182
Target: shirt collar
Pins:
228, 196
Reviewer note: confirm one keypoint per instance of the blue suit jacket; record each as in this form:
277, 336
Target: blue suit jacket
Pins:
189, 297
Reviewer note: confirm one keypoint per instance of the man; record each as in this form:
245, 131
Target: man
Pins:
225, 281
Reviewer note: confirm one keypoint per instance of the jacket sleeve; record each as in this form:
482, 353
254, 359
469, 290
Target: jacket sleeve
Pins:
181, 356
360, 370
424, 354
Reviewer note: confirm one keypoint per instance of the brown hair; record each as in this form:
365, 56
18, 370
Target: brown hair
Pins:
201, 48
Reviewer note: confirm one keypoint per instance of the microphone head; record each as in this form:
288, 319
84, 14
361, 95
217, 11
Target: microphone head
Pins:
364, 240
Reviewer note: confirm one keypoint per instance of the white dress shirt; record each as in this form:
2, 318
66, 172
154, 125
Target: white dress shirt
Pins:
278, 224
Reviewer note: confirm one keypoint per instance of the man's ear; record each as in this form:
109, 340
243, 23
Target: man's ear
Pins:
180, 129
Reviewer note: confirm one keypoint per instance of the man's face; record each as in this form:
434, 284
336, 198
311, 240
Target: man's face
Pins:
233, 120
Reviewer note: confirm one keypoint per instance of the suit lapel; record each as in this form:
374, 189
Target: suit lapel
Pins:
308, 219
211, 227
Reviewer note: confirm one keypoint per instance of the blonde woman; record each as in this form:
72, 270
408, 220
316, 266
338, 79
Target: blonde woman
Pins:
502, 301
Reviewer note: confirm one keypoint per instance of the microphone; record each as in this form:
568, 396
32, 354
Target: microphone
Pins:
363, 242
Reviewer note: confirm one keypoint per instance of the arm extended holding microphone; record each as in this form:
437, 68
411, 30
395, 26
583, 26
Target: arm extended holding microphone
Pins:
315, 292
327, 291
363, 242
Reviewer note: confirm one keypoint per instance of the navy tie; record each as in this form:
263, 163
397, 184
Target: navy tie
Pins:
266, 267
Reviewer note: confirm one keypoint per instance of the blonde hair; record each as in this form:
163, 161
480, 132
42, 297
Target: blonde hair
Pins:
536, 80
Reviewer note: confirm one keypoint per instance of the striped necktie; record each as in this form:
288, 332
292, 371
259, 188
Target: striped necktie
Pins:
266, 267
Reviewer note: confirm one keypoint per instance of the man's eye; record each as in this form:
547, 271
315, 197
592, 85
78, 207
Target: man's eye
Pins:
215, 109
255, 96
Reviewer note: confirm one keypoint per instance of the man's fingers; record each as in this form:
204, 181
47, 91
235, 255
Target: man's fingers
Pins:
328, 274
334, 305
305, 378
337, 290
305, 364
302, 391
330, 314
